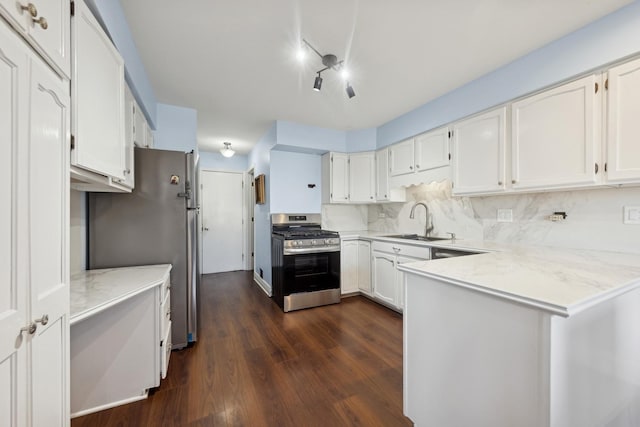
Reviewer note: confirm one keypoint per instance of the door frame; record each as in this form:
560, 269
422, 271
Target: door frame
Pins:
249, 216
244, 214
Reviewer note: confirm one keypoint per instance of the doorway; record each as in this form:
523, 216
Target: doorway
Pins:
223, 233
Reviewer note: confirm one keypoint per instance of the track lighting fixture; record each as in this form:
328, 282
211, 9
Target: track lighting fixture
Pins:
329, 61
227, 151
317, 84
350, 91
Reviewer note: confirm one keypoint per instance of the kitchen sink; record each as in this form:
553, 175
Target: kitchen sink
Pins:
416, 237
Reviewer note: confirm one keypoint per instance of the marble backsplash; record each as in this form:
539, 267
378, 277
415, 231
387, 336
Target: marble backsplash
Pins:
594, 217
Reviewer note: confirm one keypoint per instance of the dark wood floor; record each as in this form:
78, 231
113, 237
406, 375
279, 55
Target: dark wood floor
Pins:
254, 365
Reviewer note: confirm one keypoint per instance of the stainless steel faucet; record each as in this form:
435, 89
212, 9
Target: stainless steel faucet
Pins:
428, 225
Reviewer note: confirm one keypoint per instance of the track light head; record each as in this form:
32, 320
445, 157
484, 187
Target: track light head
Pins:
350, 91
317, 84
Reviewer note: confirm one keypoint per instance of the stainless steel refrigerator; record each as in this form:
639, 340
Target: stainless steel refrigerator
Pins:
156, 223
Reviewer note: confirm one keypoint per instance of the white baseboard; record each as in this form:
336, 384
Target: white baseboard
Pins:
261, 282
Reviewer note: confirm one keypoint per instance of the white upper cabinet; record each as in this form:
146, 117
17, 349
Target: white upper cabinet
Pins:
98, 75
362, 177
401, 158
478, 151
45, 25
623, 132
129, 128
335, 178
432, 149
382, 175
348, 178
556, 137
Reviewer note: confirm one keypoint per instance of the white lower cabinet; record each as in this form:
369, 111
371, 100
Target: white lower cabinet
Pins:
355, 266
388, 281
34, 227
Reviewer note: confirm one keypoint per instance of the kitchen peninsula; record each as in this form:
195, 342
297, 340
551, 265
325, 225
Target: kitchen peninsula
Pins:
529, 337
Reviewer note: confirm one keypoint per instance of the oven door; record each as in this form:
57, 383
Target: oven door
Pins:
311, 272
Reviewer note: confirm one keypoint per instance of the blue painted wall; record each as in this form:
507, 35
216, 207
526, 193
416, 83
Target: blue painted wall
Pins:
361, 140
259, 160
218, 162
111, 16
177, 128
291, 175
311, 139
612, 37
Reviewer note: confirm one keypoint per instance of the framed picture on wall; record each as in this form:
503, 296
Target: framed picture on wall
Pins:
261, 197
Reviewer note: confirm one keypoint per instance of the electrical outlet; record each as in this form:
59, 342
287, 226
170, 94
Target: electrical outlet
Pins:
505, 215
631, 215
382, 215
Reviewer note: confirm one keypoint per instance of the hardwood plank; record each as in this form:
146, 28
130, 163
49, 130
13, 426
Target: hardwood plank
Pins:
254, 365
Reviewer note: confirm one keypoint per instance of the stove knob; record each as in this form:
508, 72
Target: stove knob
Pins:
314, 242
328, 241
300, 242
294, 243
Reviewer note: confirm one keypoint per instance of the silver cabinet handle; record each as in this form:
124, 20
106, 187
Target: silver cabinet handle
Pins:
44, 319
396, 250
453, 235
205, 229
417, 166
30, 328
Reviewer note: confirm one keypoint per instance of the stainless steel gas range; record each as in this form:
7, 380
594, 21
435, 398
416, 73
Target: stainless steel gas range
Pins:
305, 262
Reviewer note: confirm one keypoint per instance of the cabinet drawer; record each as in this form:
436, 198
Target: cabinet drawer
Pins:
421, 252
165, 313
165, 352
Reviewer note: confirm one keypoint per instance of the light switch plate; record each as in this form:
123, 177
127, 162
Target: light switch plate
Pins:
631, 215
505, 215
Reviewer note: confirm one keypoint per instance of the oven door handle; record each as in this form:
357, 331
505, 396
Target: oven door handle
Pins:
297, 251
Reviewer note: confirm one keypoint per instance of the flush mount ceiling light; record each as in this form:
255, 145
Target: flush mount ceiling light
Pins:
329, 61
227, 151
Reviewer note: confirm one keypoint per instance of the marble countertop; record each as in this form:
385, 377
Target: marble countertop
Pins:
560, 281
93, 291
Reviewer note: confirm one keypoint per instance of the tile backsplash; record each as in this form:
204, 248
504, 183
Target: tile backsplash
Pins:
594, 217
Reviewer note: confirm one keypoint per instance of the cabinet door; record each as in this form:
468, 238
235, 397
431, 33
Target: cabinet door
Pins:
478, 153
364, 266
432, 149
48, 195
13, 278
129, 127
382, 174
53, 42
148, 135
555, 139
400, 278
401, 158
349, 266
362, 177
384, 277
339, 178
623, 145
98, 92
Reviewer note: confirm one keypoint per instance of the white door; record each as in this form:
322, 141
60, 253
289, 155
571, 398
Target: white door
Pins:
384, 277
13, 299
362, 177
555, 138
222, 227
623, 147
339, 178
432, 149
478, 150
401, 158
364, 266
382, 174
48, 189
349, 266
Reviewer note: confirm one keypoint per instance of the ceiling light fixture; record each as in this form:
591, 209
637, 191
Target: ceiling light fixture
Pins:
227, 151
330, 61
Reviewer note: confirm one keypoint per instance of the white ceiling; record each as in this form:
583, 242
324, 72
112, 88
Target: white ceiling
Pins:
233, 61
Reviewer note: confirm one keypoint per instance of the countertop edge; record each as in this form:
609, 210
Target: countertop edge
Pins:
529, 302
82, 315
